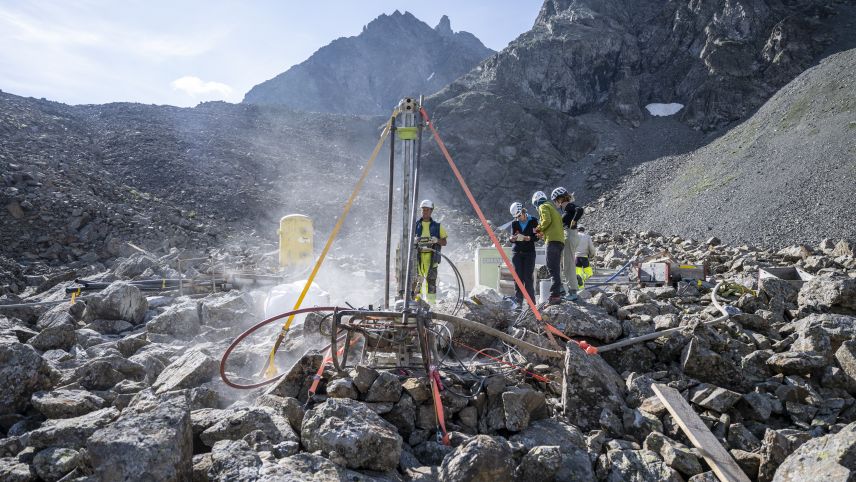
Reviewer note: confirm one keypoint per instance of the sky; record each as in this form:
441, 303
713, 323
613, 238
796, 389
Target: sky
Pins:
183, 52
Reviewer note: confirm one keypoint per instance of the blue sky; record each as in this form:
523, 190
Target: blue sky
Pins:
184, 52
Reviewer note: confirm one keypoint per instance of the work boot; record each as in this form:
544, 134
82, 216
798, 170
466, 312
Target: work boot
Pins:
554, 300
571, 297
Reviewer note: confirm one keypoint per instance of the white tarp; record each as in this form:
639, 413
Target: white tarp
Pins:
662, 110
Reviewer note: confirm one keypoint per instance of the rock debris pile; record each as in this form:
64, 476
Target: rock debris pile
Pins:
124, 386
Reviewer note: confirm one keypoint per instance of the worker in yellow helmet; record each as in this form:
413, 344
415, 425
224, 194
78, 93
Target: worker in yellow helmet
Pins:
431, 237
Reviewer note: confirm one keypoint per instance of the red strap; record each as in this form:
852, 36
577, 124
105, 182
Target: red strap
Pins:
434, 378
317, 378
590, 349
480, 214
327, 359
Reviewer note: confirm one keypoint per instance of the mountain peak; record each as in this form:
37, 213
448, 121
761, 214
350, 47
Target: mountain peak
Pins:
444, 28
436, 57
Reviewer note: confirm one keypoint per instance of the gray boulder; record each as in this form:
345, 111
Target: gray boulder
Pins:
66, 403
13, 470
298, 379
823, 333
637, 465
675, 454
846, 358
151, 440
288, 407
589, 388
828, 295
306, 467
714, 398
103, 373
403, 415
364, 377
233, 461
825, 458
775, 448
237, 423
110, 327
71, 432
56, 330
54, 337
180, 321
385, 388
555, 463
550, 432
22, 372
119, 301
700, 361
134, 265
188, 371
351, 434
796, 363
342, 388
522, 405
583, 320
234, 309
540, 463
481, 459
53, 463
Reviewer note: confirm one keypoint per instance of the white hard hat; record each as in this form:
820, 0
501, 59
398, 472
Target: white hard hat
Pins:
516, 208
558, 192
538, 196
427, 203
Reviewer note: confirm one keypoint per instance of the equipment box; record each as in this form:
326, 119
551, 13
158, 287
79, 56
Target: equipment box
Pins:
669, 272
791, 274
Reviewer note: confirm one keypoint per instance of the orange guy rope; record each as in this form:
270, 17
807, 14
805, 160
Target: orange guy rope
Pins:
483, 220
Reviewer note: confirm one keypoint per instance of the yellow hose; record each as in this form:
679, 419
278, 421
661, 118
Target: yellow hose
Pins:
271, 370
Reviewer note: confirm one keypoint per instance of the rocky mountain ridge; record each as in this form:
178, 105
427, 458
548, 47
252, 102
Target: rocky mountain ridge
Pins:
395, 56
564, 103
790, 168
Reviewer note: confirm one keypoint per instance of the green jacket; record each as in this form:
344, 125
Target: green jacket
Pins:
551, 223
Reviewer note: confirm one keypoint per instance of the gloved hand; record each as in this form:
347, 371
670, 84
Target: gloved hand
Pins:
435, 240
521, 237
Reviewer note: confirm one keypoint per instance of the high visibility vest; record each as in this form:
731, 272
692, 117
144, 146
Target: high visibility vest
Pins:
434, 232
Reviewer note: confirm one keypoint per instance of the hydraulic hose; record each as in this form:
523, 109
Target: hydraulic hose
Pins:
253, 329
473, 325
610, 278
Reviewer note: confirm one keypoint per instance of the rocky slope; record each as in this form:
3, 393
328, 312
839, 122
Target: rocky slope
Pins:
79, 181
571, 92
788, 171
124, 384
395, 56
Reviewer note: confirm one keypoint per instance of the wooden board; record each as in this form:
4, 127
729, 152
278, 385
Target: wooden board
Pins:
713, 452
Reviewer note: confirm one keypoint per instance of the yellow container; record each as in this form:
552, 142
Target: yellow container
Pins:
295, 241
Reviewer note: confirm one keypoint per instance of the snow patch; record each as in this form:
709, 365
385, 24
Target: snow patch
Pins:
430, 76
662, 110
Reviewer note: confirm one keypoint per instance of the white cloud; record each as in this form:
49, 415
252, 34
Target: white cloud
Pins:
23, 28
196, 87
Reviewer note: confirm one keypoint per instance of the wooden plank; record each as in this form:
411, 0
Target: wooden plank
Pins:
713, 452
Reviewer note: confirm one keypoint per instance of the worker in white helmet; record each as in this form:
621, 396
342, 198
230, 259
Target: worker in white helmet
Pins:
572, 213
431, 237
523, 237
